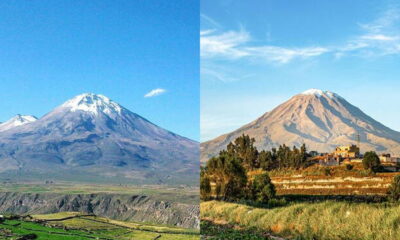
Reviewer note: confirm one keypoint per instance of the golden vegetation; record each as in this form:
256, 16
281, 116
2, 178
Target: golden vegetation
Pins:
327, 220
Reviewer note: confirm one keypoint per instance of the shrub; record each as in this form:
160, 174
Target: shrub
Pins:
261, 189
371, 161
394, 190
327, 171
349, 167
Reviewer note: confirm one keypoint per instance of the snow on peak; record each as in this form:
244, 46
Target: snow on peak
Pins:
24, 118
313, 91
93, 103
319, 93
16, 121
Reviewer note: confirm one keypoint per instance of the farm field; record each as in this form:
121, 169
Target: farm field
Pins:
328, 220
71, 225
334, 180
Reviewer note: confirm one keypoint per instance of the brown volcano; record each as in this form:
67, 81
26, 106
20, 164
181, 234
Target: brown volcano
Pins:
320, 119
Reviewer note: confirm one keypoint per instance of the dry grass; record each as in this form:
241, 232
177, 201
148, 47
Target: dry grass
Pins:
325, 220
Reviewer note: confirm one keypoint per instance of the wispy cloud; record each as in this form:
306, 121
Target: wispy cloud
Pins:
226, 44
210, 21
378, 38
155, 92
237, 44
285, 55
223, 73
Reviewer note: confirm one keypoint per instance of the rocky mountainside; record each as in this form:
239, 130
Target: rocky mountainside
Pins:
92, 133
320, 119
120, 207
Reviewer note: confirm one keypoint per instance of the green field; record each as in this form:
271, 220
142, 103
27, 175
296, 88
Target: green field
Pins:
328, 220
76, 226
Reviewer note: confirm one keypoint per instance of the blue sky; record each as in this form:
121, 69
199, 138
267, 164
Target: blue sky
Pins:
52, 50
257, 55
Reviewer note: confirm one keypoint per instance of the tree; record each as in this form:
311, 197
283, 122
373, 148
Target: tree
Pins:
244, 150
303, 155
262, 189
394, 189
371, 161
266, 160
205, 185
227, 171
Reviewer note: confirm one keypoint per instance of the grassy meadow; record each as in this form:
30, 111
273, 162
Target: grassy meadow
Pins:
328, 220
76, 226
213, 231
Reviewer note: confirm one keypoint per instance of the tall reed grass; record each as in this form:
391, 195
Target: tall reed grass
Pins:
329, 220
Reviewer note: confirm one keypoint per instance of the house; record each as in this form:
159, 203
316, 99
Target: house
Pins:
387, 158
349, 151
330, 160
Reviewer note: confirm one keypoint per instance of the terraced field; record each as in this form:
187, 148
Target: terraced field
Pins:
334, 180
321, 185
70, 225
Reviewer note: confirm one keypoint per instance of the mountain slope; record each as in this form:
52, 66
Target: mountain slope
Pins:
92, 133
320, 119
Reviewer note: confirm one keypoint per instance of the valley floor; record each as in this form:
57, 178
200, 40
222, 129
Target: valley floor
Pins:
76, 226
158, 204
181, 194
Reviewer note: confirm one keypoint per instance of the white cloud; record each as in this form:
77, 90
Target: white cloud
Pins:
379, 38
227, 44
237, 44
285, 55
155, 92
206, 32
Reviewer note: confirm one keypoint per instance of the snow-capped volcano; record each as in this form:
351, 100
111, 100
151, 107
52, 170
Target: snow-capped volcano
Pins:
320, 119
16, 121
93, 103
92, 132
